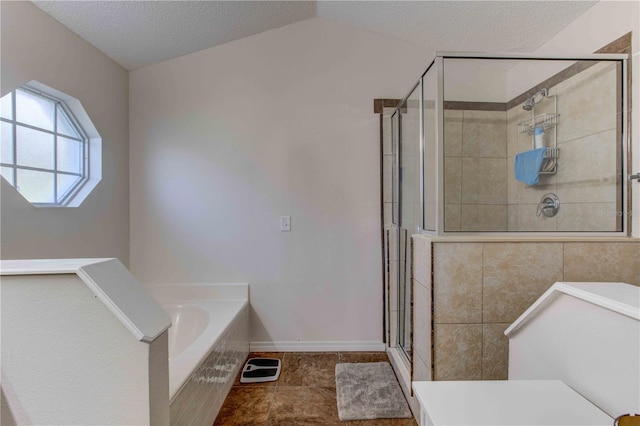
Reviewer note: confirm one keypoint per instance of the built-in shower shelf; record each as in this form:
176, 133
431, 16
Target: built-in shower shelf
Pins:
545, 121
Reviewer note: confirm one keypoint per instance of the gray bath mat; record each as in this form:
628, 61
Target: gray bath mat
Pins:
369, 390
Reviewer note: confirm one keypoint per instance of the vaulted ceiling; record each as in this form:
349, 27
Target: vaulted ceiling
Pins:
140, 33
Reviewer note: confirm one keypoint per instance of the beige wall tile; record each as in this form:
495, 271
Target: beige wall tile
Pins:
393, 285
587, 102
603, 190
388, 211
430, 210
421, 320
452, 217
495, 352
386, 136
545, 105
483, 217
452, 133
614, 262
484, 134
526, 194
392, 235
515, 275
422, 260
589, 158
410, 213
528, 221
524, 141
484, 180
452, 180
457, 282
512, 217
393, 329
512, 183
587, 217
458, 352
387, 179
422, 368
512, 131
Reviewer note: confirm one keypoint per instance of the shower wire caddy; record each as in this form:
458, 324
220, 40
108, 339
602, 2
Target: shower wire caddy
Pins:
545, 121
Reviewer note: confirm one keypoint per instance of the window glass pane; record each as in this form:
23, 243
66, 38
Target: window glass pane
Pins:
35, 149
6, 106
69, 155
65, 182
34, 110
6, 143
64, 125
7, 173
37, 187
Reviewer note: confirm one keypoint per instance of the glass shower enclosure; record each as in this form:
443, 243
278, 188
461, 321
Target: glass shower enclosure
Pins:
512, 145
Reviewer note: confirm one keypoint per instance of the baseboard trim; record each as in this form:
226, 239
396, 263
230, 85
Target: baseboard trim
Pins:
323, 346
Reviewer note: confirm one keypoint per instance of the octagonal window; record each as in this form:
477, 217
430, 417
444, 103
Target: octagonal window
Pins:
46, 146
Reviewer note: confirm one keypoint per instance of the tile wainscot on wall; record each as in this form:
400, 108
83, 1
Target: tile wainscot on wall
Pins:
480, 288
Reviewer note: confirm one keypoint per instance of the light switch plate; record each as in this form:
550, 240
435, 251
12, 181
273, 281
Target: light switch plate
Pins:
285, 223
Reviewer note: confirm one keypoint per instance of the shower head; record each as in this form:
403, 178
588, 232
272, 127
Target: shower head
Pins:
529, 103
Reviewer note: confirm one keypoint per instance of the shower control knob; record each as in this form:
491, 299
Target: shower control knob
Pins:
549, 205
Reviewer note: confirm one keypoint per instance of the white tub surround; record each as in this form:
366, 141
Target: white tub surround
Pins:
208, 344
194, 338
91, 329
313, 346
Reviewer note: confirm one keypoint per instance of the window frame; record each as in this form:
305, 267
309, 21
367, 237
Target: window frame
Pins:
59, 107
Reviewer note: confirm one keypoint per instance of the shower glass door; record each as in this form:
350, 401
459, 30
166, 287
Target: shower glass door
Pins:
410, 208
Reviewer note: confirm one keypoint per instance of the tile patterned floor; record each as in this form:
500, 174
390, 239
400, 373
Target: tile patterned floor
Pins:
304, 394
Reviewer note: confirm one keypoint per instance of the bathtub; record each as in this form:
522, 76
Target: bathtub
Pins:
208, 342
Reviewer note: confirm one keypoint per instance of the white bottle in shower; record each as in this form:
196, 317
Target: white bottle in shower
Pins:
538, 137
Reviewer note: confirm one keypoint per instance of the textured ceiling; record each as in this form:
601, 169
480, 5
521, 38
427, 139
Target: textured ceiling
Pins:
140, 33
496, 26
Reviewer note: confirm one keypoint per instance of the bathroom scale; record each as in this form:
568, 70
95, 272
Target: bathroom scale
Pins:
258, 370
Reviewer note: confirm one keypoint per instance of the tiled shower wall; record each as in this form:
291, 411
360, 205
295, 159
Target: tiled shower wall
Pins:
480, 288
475, 165
481, 192
586, 180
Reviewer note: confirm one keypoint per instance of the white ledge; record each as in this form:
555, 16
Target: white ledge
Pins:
112, 283
45, 266
617, 297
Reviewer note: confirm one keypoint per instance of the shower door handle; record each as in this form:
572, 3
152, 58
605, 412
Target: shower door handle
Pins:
636, 177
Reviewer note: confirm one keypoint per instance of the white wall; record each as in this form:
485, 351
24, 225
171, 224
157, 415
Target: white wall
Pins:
36, 47
66, 359
226, 140
600, 25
